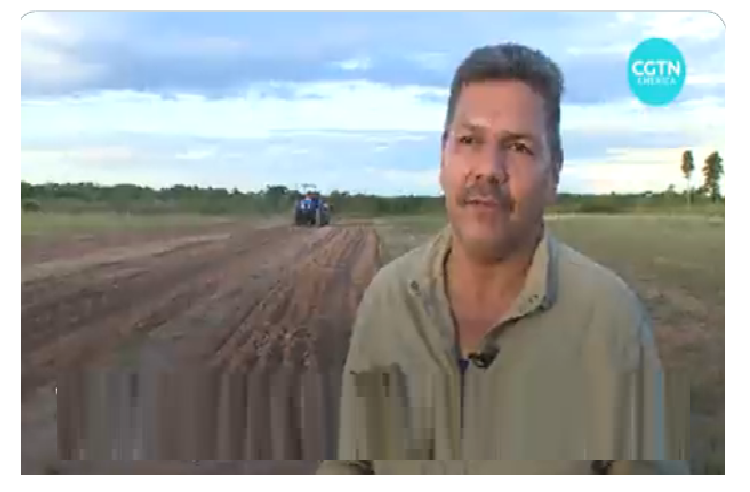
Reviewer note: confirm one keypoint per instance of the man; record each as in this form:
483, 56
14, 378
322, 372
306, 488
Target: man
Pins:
495, 348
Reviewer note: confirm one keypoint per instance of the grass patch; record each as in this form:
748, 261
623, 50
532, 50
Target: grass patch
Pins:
400, 234
42, 223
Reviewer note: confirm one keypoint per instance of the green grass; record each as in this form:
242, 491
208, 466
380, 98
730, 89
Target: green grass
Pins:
43, 223
683, 252
676, 265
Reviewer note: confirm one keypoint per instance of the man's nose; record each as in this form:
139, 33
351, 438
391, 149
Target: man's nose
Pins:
492, 163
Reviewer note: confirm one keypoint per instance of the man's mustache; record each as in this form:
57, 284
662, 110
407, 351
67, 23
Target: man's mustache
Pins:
483, 191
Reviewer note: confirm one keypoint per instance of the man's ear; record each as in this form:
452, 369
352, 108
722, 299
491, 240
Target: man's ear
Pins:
553, 181
441, 171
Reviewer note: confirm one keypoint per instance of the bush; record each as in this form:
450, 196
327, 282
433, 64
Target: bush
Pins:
599, 207
30, 206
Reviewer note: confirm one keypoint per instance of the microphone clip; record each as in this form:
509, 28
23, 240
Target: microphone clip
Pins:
483, 360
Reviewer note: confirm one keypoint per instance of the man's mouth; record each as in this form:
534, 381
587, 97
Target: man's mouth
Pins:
483, 202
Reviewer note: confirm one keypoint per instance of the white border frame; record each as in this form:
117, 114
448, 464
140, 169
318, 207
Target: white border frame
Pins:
736, 329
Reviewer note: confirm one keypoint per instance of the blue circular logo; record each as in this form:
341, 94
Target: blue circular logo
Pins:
656, 72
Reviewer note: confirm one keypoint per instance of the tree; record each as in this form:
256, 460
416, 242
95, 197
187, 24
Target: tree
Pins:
687, 168
713, 170
277, 196
27, 190
30, 206
277, 191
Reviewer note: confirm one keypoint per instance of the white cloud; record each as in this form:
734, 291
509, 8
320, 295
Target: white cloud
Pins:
45, 67
635, 170
343, 109
209, 45
625, 17
284, 151
113, 166
602, 49
352, 106
361, 63
431, 60
676, 26
403, 181
82, 154
704, 79
701, 26
196, 155
46, 26
698, 34
48, 59
355, 121
695, 119
356, 135
350, 121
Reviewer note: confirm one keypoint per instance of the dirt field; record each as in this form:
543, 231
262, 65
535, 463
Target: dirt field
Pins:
205, 321
202, 343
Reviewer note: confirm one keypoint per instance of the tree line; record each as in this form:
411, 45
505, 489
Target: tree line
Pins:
134, 199
137, 199
275, 199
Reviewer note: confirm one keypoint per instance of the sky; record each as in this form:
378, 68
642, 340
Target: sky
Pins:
352, 101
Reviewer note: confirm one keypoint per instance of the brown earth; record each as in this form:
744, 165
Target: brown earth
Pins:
213, 346
219, 348
67, 244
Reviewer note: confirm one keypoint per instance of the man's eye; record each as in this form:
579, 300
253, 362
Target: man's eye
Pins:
521, 147
467, 140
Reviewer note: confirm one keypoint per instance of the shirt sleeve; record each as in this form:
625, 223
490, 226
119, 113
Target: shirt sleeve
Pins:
658, 413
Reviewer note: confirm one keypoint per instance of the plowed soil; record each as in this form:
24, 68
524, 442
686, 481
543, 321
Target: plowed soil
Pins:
192, 352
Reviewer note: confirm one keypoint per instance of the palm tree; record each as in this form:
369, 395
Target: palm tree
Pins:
687, 168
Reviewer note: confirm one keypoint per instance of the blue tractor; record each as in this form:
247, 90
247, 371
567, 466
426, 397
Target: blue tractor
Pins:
313, 210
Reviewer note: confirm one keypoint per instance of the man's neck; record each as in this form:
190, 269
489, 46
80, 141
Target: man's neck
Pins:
481, 281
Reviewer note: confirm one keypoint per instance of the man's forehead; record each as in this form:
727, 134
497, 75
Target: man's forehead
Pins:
497, 124
477, 121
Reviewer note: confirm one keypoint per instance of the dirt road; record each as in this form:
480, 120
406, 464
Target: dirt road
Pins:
224, 345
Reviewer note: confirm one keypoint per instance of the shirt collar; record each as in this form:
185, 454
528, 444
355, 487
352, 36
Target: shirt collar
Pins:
540, 287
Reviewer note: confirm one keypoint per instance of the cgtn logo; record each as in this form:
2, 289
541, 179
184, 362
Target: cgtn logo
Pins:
656, 72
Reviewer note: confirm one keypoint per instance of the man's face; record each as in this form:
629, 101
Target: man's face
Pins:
496, 169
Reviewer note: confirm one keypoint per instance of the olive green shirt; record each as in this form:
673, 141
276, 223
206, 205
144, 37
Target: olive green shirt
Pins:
576, 376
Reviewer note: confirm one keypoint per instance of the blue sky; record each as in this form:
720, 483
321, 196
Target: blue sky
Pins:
351, 101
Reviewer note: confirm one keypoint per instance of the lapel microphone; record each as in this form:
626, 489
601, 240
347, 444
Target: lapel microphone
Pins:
484, 360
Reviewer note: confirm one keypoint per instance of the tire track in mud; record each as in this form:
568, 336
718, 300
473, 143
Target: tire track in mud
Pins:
97, 309
234, 349
304, 308
58, 304
80, 399
205, 329
38, 249
292, 348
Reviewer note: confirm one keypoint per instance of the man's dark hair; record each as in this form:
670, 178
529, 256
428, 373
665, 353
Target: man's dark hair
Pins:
510, 61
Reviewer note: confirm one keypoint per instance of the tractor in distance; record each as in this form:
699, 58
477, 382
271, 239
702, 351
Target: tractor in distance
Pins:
311, 210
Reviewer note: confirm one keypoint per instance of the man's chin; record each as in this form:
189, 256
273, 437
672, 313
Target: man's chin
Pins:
485, 245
